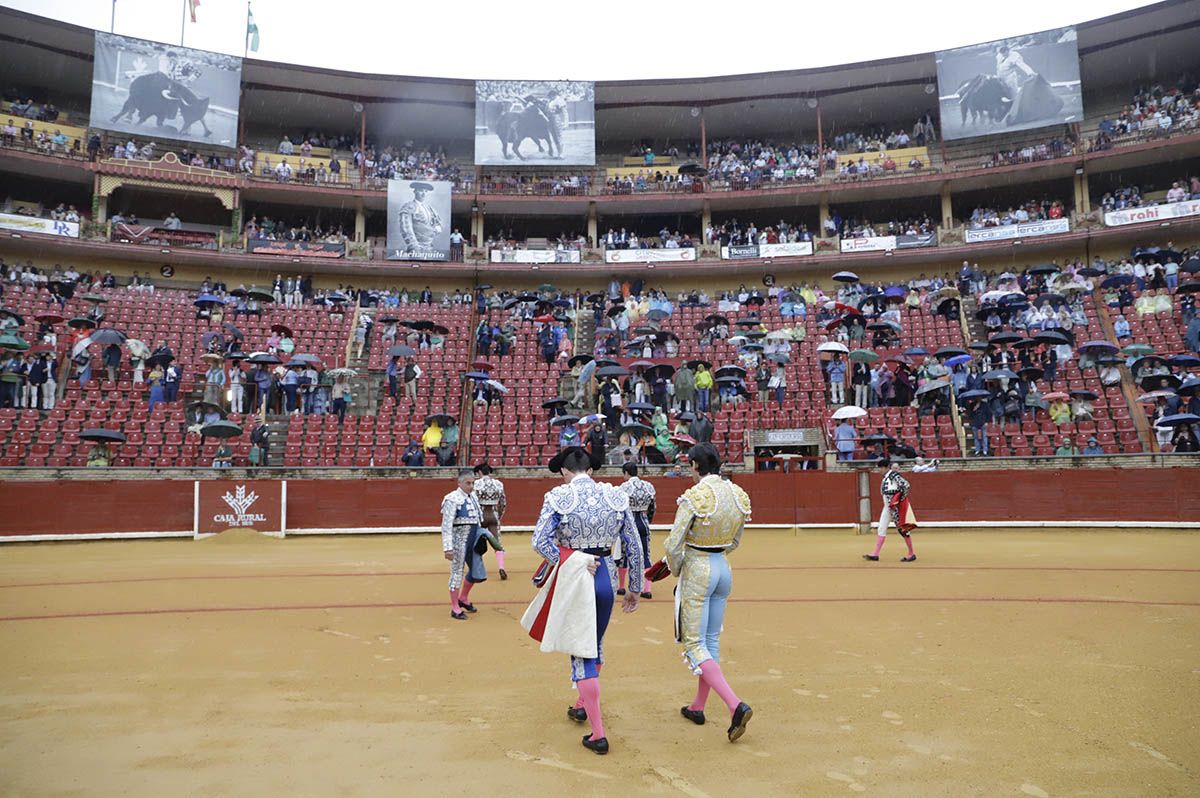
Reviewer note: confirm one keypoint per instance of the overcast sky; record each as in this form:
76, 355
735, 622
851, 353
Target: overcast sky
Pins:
603, 40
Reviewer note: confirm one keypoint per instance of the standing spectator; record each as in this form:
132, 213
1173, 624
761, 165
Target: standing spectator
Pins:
237, 392
170, 383
112, 361
779, 383
704, 384
392, 367
341, 396
291, 385
844, 438
836, 369
214, 382
411, 373
762, 378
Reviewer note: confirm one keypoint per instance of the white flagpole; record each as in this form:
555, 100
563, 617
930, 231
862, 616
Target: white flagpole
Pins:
246, 35
183, 23
112, 25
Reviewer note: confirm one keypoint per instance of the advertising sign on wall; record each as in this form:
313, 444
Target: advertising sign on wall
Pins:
1153, 213
239, 504
1029, 230
649, 255
36, 224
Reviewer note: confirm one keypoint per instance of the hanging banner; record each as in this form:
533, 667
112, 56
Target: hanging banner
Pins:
535, 256
869, 244
788, 250
1154, 213
1029, 230
309, 249
36, 224
418, 220
649, 255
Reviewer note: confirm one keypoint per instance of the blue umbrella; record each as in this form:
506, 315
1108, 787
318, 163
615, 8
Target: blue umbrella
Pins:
1098, 346
975, 394
1183, 362
605, 331
846, 277
1178, 420
916, 351
208, 299
1116, 280
587, 371
1000, 374
896, 291
478, 375
959, 360
1190, 387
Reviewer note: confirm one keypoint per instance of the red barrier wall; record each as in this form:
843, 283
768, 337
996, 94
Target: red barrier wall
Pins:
814, 497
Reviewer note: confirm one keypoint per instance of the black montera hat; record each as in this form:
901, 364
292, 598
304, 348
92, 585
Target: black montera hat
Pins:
556, 463
420, 186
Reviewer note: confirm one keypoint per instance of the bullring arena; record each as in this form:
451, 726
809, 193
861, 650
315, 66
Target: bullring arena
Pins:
244, 440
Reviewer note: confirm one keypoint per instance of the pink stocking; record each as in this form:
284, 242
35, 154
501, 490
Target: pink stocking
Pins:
465, 591
589, 693
454, 608
908, 542
701, 698
710, 672
579, 701
500, 559
879, 544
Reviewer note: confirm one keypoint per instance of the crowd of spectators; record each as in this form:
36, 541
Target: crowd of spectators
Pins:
1042, 151
268, 229
864, 228
629, 239
1181, 190
61, 212
28, 109
1154, 111
1031, 211
733, 232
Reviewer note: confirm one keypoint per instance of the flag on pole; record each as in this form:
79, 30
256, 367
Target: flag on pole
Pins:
192, 6
251, 29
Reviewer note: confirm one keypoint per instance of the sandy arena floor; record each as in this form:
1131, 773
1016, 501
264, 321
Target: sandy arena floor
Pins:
1000, 664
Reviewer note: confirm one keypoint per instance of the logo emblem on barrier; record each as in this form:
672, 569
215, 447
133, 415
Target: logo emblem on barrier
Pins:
240, 502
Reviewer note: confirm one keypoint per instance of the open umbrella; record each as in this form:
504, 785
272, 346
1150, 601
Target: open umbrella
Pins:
50, 318
160, 358
614, 311
1189, 288
1025, 343
1084, 394
729, 379
895, 292
282, 329
694, 363
95, 299
236, 355
846, 277
400, 350
1031, 373
751, 348
13, 342
543, 319
645, 329
237, 334
481, 364
749, 321
848, 411
884, 325
658, 314
81, 323
563, 420
207, 299
78, 349
477, 375
264, 359
780, 357
12, 314
305, 359
978, 393
1166, 382
261, 296
754, 300
499, 386
638, 429
1098, 347
1137, 350
686, 415
916, 351
958, 360
612, 371
1045, 268
933, 385
1184, 361
441, 418
1190, 266
642, 407
137, 348
1053, 300
833, 346
1178, 420
1004, 338
943, 302
666, 335
553, 403
221, 429
999, 374
899, 360
215, 358
1052, 337
716, 318
1055, 396
878, 437
389, 319
1189, 387
641, 364
100, 435
1154, 396
587, 372
863, 356
205, 408
683, 441
665, 369
342, 372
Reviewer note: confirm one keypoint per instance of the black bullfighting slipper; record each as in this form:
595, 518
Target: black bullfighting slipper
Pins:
871, 557
577, 714
503, 574
741, 716
458, 616
599, 746
467, 607
647, 595
909, 558
694, 715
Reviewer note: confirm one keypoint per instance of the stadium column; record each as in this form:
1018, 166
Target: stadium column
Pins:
476, 226
705, 219
592, 231
947, 207
360, 221
1083, 199
823, 213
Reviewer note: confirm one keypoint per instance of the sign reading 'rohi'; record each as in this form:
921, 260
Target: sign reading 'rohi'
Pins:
251, 504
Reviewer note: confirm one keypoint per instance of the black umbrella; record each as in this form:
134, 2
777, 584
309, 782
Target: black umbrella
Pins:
977, 346
221, 429
662, 368
754, 300
108, 336
686, 416
642, 407
260, 295
1052, 337
400, 350
236, 355
601, 362
1045, 268
729, 379
1004, 338
510, 303
1117, 280
440, 418
241, 292
693, 170
1031, 373
160, 358
666, 335
282, 329
999, 374
99, 435
1189, 288
1184, 361
1190, 266
205, 408
978, 393
79, 323
612, 371
234, 331
484, 286
388, 319
563, 420
1089, 271
1088, 395
749, 321
731, 368
1189, 387
557, 402
716, 318
13, 315
615, 310
645, 329
640, 429
264, 359
694, 363
1054, 300
878, 437
579, 359
703, 326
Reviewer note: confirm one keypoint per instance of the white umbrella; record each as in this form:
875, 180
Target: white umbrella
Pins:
137, 348
779, 335
833, 346
342, 372
499, 386
81, 346
849, 411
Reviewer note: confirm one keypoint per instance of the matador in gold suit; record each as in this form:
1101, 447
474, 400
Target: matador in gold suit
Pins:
708, 525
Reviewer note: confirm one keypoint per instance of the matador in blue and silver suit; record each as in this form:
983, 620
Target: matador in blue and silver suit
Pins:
591, 517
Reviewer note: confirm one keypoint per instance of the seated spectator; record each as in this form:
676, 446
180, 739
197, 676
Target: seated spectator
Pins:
1093, 447
1066, 449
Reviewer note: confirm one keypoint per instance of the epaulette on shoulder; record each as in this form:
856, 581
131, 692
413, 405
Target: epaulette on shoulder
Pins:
700, 499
